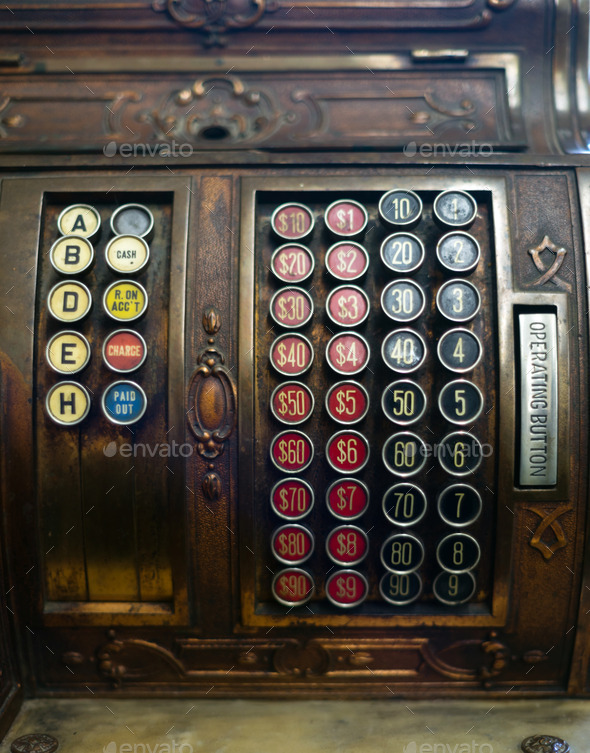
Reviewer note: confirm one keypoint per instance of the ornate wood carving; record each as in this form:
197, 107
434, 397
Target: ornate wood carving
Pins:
137, 660
220, 108
213, 15
549, 273
496, 653
8, 119
212, 394
212, 403
302, 660
549, 519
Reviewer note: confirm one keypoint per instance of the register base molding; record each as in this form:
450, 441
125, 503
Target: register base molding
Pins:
135, 661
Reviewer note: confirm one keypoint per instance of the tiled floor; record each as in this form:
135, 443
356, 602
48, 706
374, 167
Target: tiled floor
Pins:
246, 726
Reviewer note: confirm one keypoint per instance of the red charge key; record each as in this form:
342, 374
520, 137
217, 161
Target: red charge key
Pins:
347, 451
291, 451
124, 351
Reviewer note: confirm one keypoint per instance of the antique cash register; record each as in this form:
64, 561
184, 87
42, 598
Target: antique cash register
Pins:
294, 348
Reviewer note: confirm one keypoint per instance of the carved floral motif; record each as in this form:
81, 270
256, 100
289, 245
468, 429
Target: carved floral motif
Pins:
219, 108
213, 15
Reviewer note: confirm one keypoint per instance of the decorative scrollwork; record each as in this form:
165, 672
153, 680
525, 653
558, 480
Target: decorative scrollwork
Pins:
497, 652
211, 486
219, 109
212, 395
301, 660
8, 120
460, 112
549, 273
134, 659
549, 519
213, 15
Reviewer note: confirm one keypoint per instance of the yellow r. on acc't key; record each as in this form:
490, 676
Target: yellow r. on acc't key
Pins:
125, 300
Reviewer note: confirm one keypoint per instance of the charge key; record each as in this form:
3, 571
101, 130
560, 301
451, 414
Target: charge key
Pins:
124, 402
124, 350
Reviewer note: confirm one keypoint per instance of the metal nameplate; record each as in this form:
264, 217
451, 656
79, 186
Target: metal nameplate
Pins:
538, 401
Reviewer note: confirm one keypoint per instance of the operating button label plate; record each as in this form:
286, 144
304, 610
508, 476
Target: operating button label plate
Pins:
538, 399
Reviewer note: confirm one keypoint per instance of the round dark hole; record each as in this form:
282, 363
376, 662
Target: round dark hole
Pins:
214, 133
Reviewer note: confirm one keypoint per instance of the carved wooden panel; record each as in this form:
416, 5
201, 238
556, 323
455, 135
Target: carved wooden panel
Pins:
173, 118
222, 15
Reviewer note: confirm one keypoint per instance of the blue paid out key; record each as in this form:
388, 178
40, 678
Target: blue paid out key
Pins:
124, 402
